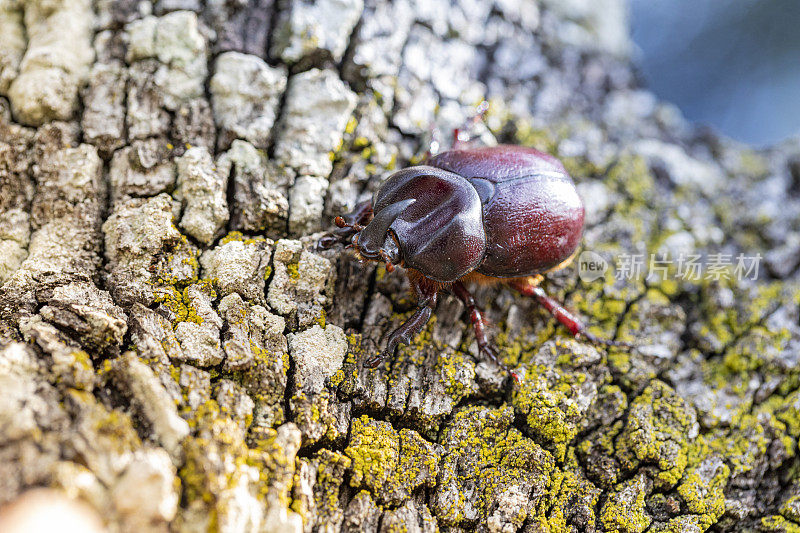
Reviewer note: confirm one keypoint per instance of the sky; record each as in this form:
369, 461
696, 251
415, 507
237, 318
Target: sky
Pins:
731, 64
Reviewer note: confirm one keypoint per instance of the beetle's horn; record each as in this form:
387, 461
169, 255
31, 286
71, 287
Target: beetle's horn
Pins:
372, 237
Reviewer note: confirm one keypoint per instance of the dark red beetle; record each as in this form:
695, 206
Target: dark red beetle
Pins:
503, 214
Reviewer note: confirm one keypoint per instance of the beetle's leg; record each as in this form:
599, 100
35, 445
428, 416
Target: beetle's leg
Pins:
463, 134
560, 313
460, 137
410, 328
344, 233
361, 214
478, 323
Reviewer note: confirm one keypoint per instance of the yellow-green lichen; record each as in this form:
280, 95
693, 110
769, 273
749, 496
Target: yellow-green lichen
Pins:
456, 372
551, 413
217, 461
790, 509
293, 270
658, 429
569, 489
624, 510
239, 236
703, 484
180, 304
391, 464
779, 524
485, 456
350, 127
331, 467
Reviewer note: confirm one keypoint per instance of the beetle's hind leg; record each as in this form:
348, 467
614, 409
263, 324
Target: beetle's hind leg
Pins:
530, 287
463, 135
478, 323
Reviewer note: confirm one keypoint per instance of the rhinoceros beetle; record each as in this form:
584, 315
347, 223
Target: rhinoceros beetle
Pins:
499, 214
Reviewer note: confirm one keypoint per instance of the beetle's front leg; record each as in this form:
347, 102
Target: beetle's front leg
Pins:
409, 329
478, 323
565, 317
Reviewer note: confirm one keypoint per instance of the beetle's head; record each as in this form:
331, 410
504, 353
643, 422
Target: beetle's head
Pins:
426, 219
376, 241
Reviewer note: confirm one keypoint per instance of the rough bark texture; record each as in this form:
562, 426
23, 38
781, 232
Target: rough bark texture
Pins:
176, 355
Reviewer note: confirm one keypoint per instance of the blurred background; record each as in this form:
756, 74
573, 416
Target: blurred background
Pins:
732, 64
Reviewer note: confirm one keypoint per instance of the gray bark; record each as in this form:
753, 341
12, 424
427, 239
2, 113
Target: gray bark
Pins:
175, 353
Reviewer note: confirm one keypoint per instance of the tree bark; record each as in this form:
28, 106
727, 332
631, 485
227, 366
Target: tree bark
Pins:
177, 354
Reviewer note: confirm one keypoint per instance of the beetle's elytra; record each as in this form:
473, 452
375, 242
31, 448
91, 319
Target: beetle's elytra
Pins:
499, 214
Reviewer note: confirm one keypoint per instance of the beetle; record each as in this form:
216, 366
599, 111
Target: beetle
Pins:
493, 214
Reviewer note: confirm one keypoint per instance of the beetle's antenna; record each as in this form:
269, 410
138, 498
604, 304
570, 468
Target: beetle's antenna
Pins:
340, 222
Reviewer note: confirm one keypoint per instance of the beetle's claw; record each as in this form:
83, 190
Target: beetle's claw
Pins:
327, 242
491, 353
374, 360
594, 339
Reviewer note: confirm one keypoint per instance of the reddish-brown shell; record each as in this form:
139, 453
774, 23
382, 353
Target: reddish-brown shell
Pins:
532, 214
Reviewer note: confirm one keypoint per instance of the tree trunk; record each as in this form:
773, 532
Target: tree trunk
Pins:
178, 355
